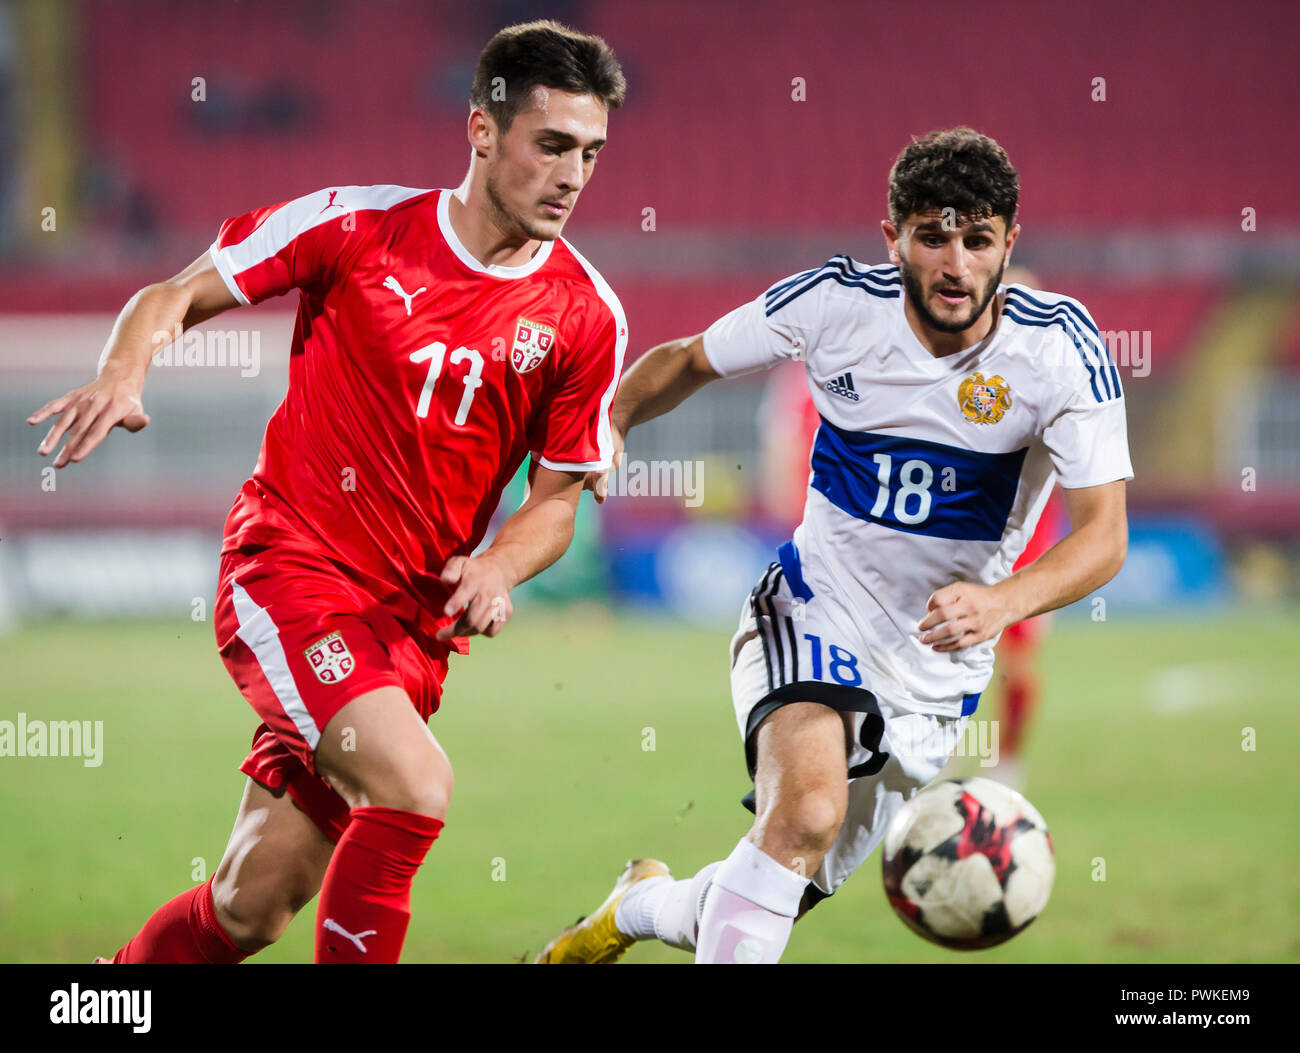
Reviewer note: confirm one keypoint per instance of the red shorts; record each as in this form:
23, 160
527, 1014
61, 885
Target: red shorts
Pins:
301, 640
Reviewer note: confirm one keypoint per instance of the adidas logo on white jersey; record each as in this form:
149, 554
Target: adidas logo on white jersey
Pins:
843, 386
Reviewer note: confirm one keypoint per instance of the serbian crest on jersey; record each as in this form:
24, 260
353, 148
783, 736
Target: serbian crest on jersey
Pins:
330, 659
532, 341
984, 401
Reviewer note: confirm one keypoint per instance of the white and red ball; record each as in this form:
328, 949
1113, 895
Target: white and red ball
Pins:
968, 863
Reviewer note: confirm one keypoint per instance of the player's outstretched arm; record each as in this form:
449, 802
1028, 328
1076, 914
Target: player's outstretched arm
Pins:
113, 398
527, 543
963, 614
658, 381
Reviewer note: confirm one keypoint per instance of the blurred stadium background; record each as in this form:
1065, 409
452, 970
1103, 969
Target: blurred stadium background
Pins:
129, 129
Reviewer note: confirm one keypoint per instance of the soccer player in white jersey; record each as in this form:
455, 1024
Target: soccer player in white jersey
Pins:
948, 404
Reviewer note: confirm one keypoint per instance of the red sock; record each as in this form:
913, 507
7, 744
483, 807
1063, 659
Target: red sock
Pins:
1021, 696
183, 931
365, 901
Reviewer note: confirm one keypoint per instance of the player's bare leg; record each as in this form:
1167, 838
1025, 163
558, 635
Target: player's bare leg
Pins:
273, 864
742, 908
801, 784
377, 752
382, 760
801, 790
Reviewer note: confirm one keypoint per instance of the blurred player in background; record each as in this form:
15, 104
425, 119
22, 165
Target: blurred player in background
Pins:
947, 404
1015, 671
442, 337
788, 422
787, 425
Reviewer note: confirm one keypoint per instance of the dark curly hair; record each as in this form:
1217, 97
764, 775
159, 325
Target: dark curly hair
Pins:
957, 168
546, 54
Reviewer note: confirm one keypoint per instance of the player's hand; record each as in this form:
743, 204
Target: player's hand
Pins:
88, 413
962, 615
598, 482
481, 597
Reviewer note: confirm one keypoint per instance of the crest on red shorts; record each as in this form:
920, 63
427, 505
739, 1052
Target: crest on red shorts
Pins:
330, 659
532, 341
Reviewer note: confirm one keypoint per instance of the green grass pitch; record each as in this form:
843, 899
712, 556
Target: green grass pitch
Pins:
1137, 759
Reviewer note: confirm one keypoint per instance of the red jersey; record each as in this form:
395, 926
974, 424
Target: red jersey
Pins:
419, 380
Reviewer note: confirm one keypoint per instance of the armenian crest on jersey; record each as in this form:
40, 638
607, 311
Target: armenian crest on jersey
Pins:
984, 401
532, 341
330, 659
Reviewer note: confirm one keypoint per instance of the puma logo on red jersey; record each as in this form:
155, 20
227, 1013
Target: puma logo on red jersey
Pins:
391, 284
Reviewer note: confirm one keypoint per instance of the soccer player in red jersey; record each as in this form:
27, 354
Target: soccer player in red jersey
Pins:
442, 337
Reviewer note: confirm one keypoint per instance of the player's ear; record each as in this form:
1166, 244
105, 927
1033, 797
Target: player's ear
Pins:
891, 239
481, 131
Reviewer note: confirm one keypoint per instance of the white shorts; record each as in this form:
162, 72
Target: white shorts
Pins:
793, 650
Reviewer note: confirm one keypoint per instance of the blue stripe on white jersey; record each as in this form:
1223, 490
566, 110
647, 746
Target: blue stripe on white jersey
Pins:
838, 268
842, 262
915, 485
786, 284
878, 281
1027, 310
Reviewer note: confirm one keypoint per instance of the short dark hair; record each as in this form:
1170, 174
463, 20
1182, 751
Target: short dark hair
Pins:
543, 54
958, 168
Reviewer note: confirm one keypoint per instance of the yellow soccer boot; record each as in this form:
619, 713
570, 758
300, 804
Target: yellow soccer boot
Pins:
595, 940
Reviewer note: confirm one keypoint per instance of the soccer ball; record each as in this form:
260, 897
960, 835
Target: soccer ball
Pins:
968, 863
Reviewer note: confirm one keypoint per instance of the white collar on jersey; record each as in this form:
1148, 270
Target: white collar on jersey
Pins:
466, 257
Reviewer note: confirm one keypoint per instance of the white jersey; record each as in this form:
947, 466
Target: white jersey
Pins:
925, 471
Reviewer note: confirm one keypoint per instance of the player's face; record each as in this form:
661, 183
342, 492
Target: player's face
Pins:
537, 169
950, 276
